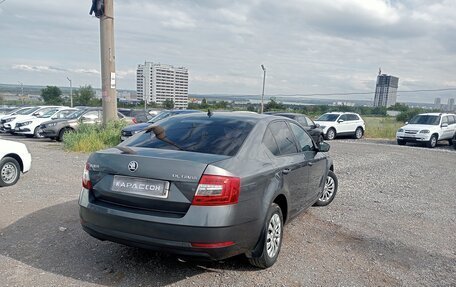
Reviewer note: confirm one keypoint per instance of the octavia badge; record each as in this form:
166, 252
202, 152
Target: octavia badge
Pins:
133, 166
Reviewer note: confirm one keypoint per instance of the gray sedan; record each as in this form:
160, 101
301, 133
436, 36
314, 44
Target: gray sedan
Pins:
211, 186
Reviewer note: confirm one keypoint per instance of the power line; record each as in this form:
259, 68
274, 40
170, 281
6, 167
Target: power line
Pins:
371, 93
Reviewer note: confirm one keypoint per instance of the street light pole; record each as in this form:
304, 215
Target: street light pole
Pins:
262, 94
22, 92
71, 92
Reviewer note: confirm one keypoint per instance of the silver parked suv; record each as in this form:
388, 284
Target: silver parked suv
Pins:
428, 129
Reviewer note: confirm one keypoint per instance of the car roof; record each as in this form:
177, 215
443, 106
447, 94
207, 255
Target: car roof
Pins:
228, 115
436, 114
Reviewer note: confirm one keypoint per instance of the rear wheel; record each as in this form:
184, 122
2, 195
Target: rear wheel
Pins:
401, 142
432, 143
62, 133
359, 133
271, 239
10, 171
330, 190
331, 134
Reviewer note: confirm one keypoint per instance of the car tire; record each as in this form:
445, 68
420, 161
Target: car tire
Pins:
35, 133
10, 171
271, 239
329, 191
62, 134
359, 133
330, 134
401, 142
432, 143
450, 142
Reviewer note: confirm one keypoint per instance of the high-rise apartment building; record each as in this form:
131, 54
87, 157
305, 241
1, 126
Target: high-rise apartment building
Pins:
450, 105
158, 82
385, 91
438, 103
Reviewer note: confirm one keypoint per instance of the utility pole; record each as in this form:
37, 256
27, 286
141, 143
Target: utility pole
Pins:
108, 63
262, 94
22, 92
71, 92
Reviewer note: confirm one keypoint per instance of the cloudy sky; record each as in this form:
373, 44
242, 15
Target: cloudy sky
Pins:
307, 46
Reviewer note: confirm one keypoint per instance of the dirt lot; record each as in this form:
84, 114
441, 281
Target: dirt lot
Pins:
392, 224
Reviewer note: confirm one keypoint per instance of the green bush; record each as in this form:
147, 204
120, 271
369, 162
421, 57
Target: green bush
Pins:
90, 138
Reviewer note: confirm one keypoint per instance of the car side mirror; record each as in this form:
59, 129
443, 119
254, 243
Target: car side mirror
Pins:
444, 125
317, 126
36, 114
406, 123
340, 121
323, 147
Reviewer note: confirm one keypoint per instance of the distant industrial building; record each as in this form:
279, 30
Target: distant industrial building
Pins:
450, 105
438, 103
386, 90
158, 82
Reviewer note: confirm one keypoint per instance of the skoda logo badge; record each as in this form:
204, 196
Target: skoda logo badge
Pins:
133, 166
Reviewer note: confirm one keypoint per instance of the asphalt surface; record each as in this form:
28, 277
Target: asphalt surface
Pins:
393, 223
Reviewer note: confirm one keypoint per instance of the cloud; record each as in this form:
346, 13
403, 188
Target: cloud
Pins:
307, 46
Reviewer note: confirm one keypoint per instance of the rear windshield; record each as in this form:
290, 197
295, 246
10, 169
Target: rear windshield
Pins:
425, 120
328, 117
222, 136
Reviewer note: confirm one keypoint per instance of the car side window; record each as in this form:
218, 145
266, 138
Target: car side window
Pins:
451, 120
343, 118
91, 115
302, 121
270, 142
304, 140
310, 122
284, 138
353, 117
445, 120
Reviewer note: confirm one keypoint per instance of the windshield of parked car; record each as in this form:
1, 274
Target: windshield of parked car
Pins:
425, 120
328, 117
222, 136
160, 116
27, 111
48, 113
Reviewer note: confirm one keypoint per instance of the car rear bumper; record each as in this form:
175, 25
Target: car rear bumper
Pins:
176, 238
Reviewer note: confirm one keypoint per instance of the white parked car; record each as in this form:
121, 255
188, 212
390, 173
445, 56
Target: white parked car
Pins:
31, 127
14, 159
7, 124
340, 123
428, 128
13, 112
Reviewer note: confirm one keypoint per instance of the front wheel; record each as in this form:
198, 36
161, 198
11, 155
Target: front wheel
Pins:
432, 143
271, 239
330, 190
9, 171
401, 142
330, 134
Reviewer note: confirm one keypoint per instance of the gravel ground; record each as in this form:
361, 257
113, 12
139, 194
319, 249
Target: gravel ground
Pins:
392, 224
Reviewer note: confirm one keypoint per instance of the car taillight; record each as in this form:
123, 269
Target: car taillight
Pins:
217, 190
212, 245
86, 183
134, 120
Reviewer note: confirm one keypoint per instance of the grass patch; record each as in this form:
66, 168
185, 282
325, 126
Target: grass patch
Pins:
381, 127
90, 138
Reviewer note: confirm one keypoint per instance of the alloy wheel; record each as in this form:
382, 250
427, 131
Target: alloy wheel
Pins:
274, 235
330, 187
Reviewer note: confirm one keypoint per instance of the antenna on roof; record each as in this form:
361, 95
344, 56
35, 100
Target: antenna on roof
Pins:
379, 71
209, 113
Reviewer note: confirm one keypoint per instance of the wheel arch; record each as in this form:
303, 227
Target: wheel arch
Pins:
17, 158
282, 202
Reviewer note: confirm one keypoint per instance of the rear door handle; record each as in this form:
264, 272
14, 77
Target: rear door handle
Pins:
286, 171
